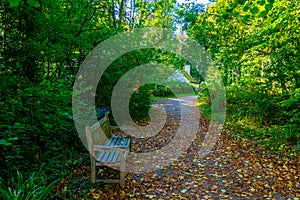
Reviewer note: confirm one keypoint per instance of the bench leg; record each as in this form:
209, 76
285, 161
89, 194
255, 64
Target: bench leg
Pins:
122, 179
122, 168
93, 169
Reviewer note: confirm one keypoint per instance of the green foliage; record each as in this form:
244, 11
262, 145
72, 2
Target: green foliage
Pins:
291, 106
34, 188
33, 3
196, 75
186, 13
264, 117
255, 44
180, 87
204, 101
35, 121
252, 115
43, 44
161, 91
139, 103
14, 3
252, 103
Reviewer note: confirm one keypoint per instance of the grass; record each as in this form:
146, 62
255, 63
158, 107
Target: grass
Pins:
34, 188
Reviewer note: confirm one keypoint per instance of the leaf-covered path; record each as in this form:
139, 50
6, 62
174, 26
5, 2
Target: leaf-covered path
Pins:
232, 170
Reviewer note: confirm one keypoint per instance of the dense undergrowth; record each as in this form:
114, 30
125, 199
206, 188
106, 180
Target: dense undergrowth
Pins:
267, 119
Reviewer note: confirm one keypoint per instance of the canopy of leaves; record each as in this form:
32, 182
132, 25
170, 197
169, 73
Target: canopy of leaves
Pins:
256, 46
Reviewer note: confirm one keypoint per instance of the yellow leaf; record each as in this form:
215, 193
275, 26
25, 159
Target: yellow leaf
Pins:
214, 187
92, 190
281, 147
96, 196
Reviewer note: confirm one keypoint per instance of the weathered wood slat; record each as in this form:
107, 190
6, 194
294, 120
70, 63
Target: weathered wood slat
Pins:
115, 158
104, 158
118, 141
109, 157
100, 156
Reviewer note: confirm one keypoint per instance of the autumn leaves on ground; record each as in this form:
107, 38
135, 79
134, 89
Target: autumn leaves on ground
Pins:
234, 169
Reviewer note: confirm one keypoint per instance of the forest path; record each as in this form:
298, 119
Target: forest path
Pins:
232, 170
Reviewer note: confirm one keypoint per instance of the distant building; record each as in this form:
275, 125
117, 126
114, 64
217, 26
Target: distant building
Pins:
178, 76
187, 69
184, 76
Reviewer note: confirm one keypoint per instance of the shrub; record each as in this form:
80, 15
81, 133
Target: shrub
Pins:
160, 91
36, 124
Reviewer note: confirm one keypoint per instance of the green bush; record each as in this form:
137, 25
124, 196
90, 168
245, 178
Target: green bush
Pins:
160, 91
140, 103
260, 116
204, 101
270, 119
36, 124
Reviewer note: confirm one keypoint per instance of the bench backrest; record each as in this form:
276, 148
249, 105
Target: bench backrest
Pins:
98, 133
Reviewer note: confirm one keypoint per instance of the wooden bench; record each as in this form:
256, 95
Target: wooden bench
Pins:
106, 150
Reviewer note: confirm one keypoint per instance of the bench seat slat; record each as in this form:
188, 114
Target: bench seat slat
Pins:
104, 157
109, 157
115, 157
100, 156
